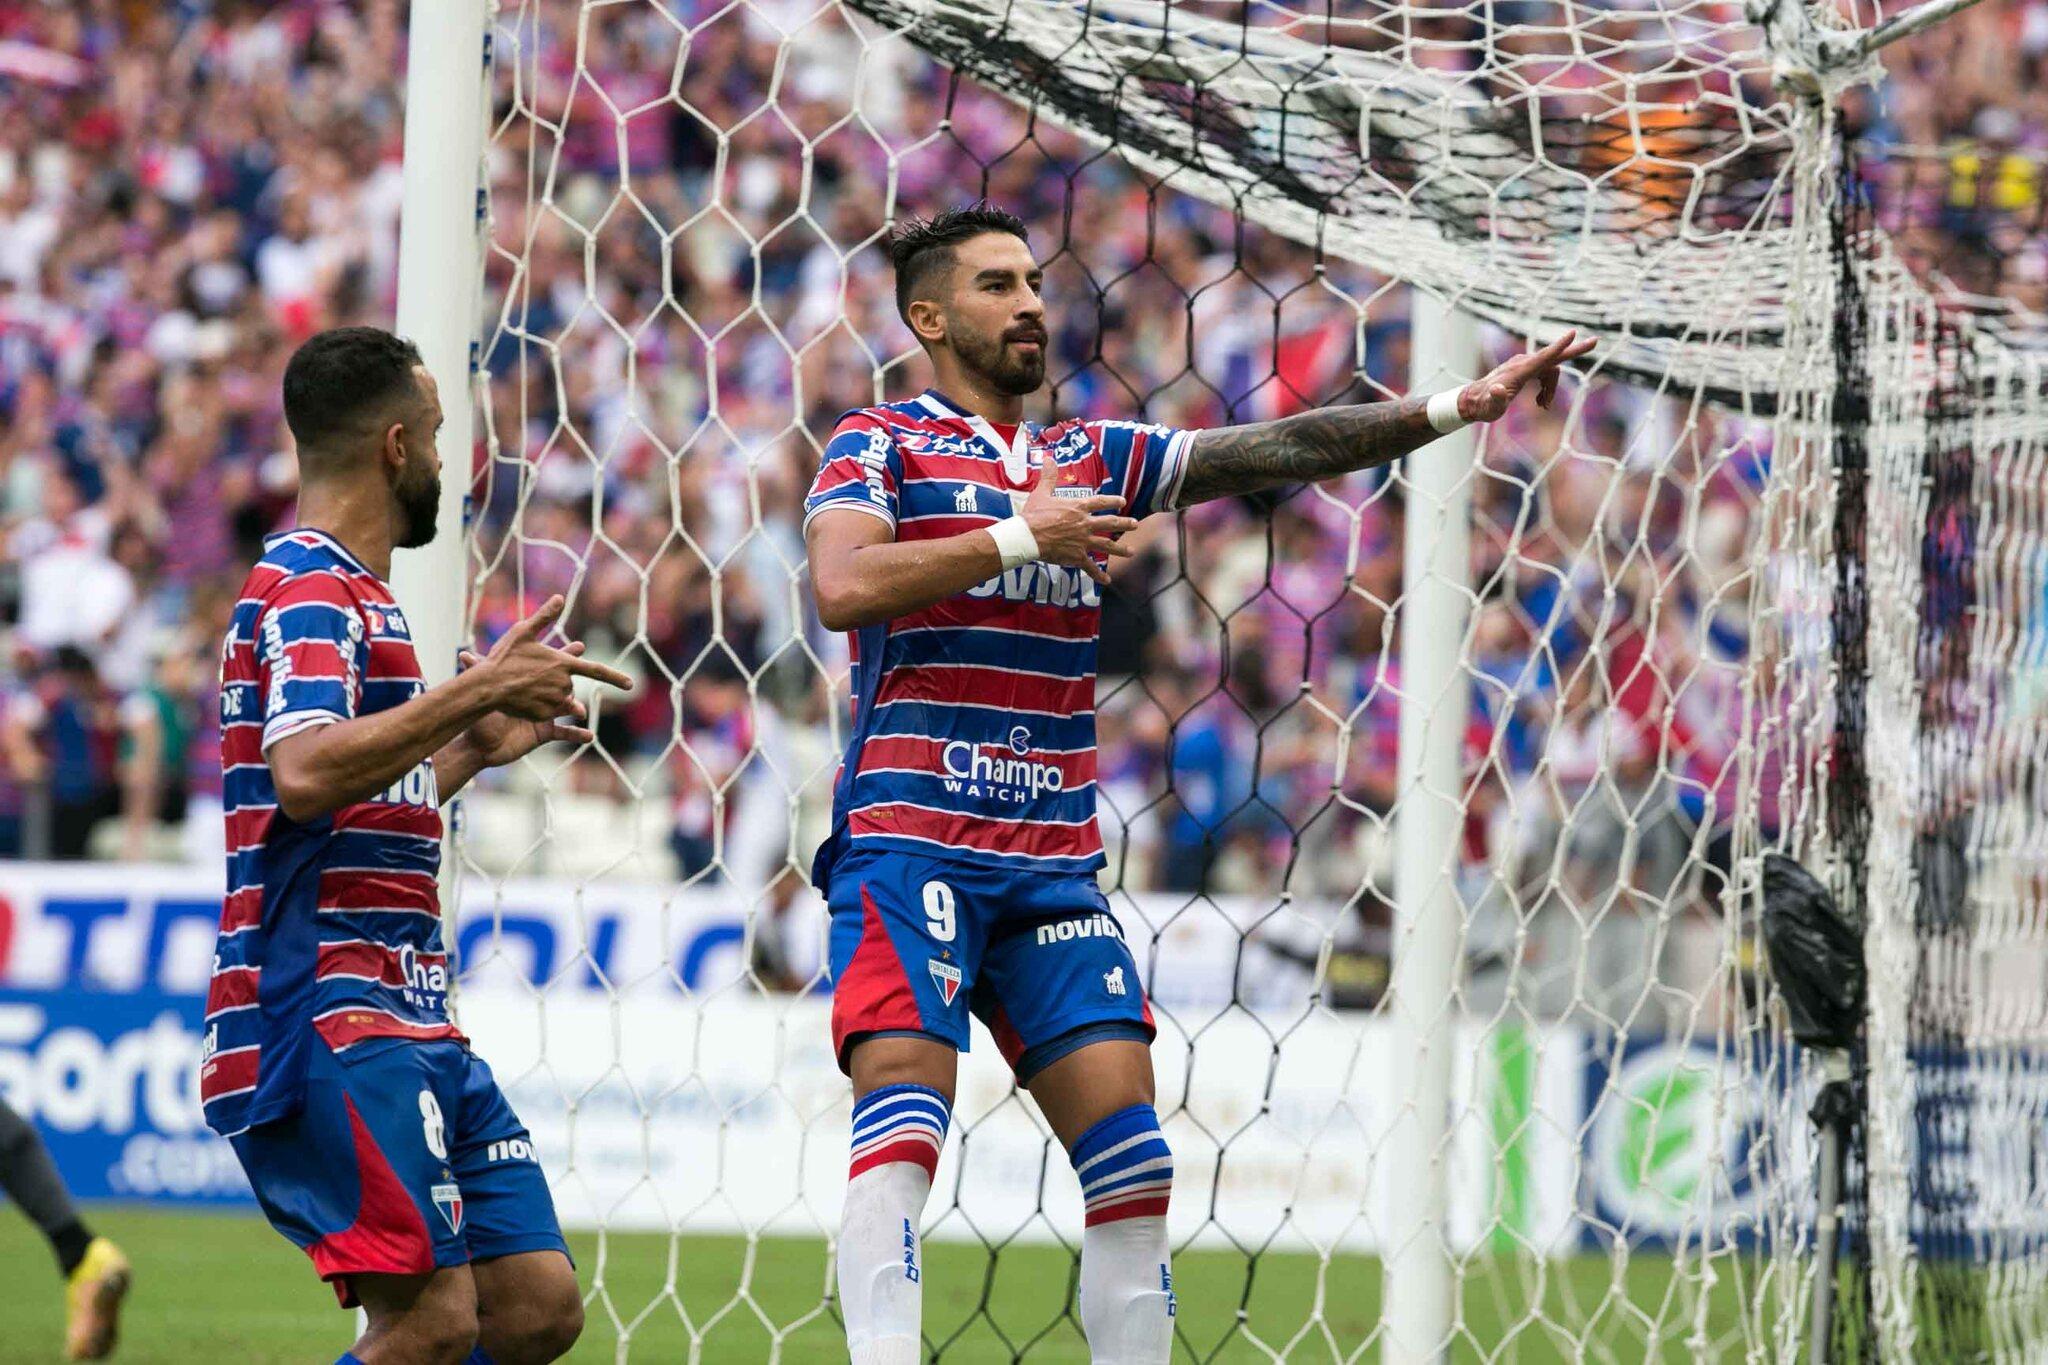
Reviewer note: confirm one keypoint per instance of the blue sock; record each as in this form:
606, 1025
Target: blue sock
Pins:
348, 1358
477, 1357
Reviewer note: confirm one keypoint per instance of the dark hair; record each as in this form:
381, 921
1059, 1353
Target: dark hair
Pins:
342, 377
71, 661
920, 247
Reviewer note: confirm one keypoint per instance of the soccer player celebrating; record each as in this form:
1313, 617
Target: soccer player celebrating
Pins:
373, 1137
965, 551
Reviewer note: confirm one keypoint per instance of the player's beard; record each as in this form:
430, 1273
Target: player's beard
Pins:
419, 505
1007, 368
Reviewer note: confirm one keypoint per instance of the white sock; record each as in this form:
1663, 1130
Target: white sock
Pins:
1126, 1293
898, 1132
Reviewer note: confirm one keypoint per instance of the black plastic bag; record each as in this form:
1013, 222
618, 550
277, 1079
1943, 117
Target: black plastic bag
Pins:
1816, 955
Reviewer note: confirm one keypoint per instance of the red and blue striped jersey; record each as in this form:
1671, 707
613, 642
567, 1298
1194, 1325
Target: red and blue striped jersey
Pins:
974, 719
332, 927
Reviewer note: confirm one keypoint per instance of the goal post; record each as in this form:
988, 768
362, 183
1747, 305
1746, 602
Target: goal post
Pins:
440, 275
1428, 913
1434, 795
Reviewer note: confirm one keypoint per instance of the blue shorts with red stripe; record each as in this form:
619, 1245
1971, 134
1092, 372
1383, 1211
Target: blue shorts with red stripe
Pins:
918, 943
404, 1158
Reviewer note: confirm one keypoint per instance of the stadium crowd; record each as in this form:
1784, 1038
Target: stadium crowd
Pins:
188, 189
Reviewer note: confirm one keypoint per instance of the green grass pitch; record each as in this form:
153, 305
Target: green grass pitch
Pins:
212, 1289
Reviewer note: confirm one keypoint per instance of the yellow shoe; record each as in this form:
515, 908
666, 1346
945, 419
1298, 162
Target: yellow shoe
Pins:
93, 1301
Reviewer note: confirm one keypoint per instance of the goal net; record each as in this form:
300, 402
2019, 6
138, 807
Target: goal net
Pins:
1932, 808
1769, 575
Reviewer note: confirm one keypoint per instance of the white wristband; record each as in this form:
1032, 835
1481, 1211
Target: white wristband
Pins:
1014, 541
1443, 411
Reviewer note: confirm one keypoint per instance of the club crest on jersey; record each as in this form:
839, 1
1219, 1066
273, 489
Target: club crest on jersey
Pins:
963, 500
947, 976
448, 1199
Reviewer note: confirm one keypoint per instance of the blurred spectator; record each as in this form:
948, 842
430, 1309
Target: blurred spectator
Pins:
72, 720
158, 725
24, 828
73, 593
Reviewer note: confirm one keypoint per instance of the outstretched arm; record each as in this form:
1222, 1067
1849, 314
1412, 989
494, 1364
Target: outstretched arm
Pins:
1305, 448
1326, 442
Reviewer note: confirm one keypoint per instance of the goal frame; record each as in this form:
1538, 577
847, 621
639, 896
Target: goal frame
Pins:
444, 229
440, 273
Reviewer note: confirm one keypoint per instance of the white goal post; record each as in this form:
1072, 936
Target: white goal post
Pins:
1434, 798
440, 277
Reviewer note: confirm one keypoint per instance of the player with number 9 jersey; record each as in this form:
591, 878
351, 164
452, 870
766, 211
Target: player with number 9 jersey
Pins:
962, 547
967, 793
965, 550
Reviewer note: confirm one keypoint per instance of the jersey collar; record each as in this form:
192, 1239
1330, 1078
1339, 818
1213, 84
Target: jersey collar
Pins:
1016, 453
329, 541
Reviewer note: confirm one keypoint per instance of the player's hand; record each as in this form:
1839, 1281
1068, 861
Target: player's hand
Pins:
1069, 530
531, 680
1488, 398
500, 738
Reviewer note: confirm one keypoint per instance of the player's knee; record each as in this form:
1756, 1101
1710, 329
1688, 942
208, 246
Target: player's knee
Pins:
444, 1334
539, 1327
562, 1324
434, 1323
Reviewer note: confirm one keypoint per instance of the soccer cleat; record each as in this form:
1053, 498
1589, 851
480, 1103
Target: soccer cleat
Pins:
92, 1299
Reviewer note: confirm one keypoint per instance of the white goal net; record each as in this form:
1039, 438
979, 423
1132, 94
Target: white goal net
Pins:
1770, 575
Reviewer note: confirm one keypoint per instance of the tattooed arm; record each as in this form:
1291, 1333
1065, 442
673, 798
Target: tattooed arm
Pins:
1304, 448
1326, 442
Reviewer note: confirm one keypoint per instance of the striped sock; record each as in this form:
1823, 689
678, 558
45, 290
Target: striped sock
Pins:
1125, 1166
898, 1133
1126, 1291
898, 1123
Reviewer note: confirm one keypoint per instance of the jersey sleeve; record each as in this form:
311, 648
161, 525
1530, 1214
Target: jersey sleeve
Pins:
309, 656
862, 470
1145, 463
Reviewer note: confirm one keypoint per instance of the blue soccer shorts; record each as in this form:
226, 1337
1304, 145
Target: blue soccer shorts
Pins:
404, 1158
918, 943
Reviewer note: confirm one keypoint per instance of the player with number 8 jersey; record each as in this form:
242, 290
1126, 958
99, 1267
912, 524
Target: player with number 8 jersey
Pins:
965, 551
372, 1136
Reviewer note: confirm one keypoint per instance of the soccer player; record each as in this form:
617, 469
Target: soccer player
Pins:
96, 1274
966, 550
374, 1139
